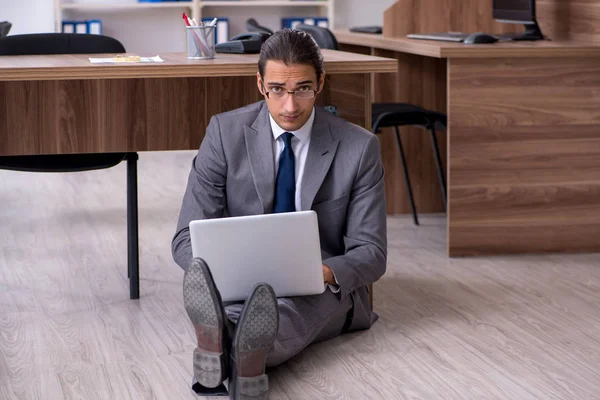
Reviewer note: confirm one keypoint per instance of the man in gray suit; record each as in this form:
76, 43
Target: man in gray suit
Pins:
283, 154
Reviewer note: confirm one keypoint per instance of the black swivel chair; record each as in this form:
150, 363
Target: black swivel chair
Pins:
253, 26
394, 115
63, 43
4, 28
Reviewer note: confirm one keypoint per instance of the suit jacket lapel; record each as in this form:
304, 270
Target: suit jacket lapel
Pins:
259, 144
321, 152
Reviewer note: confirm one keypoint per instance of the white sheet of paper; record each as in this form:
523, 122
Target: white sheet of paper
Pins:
112, 60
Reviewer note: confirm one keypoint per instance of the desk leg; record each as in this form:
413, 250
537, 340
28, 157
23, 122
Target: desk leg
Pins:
132, 227
524, 155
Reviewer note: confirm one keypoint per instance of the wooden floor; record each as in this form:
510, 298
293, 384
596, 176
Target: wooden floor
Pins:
495, 328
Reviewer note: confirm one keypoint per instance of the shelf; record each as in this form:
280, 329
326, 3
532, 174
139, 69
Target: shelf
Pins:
248, 3
125, 6
190, 4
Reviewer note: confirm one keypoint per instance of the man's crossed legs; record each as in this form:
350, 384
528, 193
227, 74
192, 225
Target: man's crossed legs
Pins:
240, 340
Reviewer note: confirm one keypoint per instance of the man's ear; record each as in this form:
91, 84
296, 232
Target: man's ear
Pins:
259, 83
321, 82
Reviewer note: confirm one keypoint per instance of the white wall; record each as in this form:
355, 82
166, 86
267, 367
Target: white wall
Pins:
163, 30
28, 16
155, 31
360, 12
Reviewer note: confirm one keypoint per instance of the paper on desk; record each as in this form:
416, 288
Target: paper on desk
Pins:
126, 59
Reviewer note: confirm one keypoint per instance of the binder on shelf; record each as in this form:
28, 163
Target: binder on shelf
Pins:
68, 26
222, 29
91, 26
294, 21
81, 27
94, 26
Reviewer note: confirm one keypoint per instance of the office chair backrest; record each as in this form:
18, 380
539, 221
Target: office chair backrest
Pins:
253, 26
4, 28
323, 36
58, 43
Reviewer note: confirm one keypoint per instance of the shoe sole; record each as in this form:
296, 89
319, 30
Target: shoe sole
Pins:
256, 332
203, 308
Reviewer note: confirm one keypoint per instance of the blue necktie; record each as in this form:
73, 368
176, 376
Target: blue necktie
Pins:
285, 186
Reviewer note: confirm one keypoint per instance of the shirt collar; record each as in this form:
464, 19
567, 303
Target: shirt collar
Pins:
302, 134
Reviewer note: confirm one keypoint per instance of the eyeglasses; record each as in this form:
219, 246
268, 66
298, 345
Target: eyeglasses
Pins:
298, 94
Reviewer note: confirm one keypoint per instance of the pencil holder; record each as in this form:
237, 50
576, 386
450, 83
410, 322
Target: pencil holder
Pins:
200, 42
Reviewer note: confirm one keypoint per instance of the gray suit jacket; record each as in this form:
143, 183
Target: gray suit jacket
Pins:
233, 174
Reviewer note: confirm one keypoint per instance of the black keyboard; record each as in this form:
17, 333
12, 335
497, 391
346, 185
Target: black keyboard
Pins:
444, 36
367, 29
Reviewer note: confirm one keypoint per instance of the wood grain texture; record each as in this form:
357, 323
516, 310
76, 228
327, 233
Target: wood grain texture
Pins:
521, 327
118, 115
426, 16
176, 65
102, 115
569, 19
351, 93
537, 49
524, 151
558, 19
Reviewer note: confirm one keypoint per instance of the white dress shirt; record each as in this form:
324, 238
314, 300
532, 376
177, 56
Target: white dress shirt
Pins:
300, 143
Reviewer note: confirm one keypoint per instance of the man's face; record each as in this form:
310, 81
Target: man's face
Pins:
290, 111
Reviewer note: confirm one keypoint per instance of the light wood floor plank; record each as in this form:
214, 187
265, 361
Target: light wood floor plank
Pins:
522, 327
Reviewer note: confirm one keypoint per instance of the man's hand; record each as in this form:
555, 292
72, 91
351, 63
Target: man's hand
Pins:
328, 275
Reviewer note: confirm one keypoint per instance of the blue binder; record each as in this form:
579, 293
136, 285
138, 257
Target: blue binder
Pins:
90, 26
293, 21
222, 29
94, 26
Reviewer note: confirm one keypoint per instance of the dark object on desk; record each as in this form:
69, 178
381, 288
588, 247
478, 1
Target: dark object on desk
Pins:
518, 12
479, 38
375, 29
394, 115
70, 43
4, 28
443, 36
253, 26
245, 43
324, 37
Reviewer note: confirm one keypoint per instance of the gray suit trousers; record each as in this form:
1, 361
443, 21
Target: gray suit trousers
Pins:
303, 320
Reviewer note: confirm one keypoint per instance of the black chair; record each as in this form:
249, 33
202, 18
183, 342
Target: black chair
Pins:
63, 43
4, 28
394, 115
253, 26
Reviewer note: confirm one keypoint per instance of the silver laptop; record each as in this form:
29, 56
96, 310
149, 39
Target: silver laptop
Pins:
281, 249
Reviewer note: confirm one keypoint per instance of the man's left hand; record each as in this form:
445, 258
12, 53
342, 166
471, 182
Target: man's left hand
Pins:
328, 275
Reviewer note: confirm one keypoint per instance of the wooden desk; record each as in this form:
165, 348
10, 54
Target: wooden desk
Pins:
523, 142
63, 104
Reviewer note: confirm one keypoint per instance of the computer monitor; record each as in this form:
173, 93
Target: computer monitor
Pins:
518, 12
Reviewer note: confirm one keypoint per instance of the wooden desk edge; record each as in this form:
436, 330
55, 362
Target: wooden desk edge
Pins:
25, 69
170, 71
559, 49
